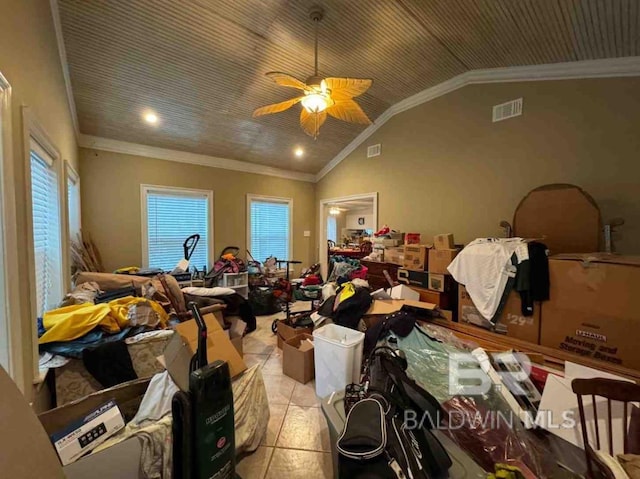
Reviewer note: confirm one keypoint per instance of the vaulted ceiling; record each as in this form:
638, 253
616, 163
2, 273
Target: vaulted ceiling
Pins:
200, 64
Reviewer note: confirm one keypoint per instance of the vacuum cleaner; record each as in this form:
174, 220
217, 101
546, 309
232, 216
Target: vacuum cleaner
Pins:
203, 417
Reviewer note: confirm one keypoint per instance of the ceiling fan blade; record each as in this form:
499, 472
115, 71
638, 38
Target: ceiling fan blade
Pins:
283, 79
311, 122
348, 110
276, 107
347, 88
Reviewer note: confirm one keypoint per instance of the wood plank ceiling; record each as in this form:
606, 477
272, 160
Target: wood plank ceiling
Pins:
200, 64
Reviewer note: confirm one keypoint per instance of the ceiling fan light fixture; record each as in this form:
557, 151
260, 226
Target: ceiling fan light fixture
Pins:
333, 211
315, 102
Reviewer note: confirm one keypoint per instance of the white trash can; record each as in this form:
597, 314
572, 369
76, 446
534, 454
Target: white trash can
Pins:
337, 356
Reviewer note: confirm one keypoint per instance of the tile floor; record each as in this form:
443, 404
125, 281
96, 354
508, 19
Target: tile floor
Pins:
297, 440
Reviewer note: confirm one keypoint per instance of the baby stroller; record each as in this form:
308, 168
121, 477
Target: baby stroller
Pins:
228, 262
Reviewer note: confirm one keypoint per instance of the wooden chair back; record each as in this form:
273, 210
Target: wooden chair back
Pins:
611, 390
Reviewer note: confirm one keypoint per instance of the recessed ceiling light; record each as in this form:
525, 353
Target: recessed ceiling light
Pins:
298, 152
151, 118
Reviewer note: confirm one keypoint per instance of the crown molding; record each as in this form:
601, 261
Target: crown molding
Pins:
117, 146
62, 51
606, 68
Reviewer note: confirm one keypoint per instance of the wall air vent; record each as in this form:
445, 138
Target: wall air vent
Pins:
373, 150
507, 110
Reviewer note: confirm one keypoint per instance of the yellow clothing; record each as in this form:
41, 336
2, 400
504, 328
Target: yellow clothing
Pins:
72, 322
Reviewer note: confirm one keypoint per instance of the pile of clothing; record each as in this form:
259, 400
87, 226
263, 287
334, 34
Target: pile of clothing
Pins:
348, 305
85, 328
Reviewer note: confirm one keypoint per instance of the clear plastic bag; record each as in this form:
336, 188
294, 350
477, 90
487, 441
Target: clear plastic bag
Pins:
483, 425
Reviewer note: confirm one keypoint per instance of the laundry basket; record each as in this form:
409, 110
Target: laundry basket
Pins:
338, 358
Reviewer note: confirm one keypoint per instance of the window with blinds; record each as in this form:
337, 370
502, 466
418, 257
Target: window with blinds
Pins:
269, 228
172, 216
46, 229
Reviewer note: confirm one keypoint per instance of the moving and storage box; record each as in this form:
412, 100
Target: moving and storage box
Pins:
286, 332
394, 255
416, 257
440, 259
443, 241
297, 358
594, 307
183, 345
511, 319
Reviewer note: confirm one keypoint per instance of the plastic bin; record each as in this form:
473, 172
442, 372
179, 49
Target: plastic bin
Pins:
338, 358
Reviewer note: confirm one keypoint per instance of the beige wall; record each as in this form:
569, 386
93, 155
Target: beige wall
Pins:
111, 202
445, 167
29, 60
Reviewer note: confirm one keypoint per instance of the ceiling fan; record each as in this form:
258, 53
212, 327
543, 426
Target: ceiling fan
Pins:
322, 96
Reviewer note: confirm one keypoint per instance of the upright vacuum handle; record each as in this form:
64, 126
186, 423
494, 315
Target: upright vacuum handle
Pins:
200, 358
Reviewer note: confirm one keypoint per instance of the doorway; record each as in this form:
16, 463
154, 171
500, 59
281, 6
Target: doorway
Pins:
346, 221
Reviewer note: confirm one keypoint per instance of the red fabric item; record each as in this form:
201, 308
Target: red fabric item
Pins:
382, 231
311, 280
359, 273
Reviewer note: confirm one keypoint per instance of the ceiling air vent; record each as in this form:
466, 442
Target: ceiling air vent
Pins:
507, 110
373, 150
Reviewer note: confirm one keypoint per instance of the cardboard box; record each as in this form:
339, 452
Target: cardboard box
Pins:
183, 345
511, 319
594, 307
416, 257
235, 333
413, 278
297, 358
394, 255
121, 461
286, 332
447, 300
440, 282
87, 432
440, 259
443, 241
384, 242
380, 309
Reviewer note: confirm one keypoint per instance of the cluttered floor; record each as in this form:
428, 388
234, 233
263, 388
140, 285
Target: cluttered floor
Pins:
297, 441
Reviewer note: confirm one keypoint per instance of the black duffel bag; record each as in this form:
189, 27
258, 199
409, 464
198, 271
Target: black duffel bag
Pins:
411, 449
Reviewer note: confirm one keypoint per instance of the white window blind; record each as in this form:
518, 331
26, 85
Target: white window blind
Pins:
270, 229
46, 230
173, 216
73, 205
332, 229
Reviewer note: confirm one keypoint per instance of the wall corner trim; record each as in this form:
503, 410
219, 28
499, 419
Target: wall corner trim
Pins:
117, 146
605, 68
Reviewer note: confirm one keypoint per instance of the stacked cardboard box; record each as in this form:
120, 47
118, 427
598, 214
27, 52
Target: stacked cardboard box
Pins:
425, 269
394, 255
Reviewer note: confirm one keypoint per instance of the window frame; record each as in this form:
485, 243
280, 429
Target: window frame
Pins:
33, 131
146, 189
272, 199
10, 296
70, 174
